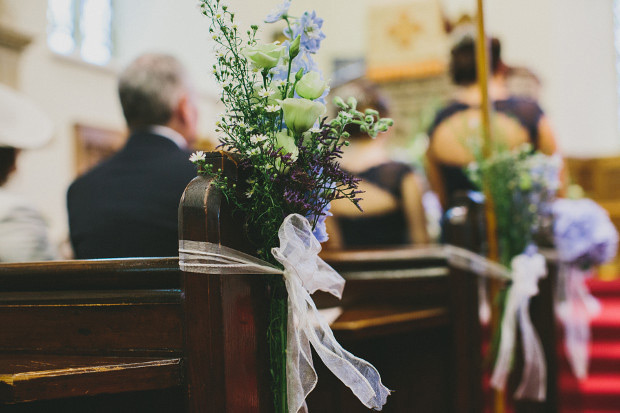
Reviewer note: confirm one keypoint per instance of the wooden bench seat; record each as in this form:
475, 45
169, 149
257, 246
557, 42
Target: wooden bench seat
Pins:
29, 377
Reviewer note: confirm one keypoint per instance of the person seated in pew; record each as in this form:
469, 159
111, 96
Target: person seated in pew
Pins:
128, 205
23, 231
516, 120
393, 213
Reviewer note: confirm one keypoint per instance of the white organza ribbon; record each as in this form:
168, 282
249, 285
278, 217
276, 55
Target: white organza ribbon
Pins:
304, 273
527, 270
479, 265
209, 258
575, 307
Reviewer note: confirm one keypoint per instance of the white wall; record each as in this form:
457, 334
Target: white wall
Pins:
69, 93
568, 43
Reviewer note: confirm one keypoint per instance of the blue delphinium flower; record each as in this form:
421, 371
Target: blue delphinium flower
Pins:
309, 27
303, 61
320, 230
280, 12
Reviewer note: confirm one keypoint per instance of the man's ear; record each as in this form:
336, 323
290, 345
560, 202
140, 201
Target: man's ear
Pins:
186, 114
182, 109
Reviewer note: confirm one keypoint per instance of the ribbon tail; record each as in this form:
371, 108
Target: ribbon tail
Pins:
357, 374
506, 343
301, 378
575, 310
534, 378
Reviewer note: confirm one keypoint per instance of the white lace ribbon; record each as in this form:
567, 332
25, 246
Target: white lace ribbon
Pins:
527, 270
304, 273
575, 307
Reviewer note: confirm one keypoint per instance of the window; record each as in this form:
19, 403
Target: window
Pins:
81, 28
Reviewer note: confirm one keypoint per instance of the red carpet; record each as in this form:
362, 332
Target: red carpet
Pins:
600, 392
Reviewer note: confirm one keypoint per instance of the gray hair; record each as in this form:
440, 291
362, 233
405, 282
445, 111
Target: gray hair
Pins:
150, 89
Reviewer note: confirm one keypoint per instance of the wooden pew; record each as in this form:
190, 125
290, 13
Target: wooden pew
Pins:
109, 334
465, 227
90, 328
139, 335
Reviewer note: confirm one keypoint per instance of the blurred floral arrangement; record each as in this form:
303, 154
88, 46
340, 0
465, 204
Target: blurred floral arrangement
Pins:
523, 184
274, 126
583, 233
584, 237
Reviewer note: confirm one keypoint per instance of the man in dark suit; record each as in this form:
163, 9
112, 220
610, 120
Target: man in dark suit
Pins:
127, 206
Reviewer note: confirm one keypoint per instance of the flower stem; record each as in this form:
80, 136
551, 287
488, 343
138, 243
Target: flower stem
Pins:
277, 333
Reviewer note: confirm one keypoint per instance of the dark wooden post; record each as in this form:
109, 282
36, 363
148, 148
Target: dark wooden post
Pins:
543, 319
467, 342
226, 316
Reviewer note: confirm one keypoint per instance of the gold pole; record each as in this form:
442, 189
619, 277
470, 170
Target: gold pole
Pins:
482, 60
482, 66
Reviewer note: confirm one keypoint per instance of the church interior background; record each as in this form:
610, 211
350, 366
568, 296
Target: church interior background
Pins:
66, 55
571, 47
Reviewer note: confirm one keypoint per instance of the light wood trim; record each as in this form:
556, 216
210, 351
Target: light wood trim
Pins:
11, 379
382, 321
429, 68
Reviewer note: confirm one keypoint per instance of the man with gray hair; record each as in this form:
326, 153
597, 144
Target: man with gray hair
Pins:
127, 205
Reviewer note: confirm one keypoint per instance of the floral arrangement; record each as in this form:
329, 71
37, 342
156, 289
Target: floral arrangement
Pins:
584, 236
522, 184
274, 125
274, 99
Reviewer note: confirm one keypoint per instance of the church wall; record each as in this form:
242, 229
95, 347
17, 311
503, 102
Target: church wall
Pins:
568, 44
68, 92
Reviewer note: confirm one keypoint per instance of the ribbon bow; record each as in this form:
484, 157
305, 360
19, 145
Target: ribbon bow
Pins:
304, 273
526, 270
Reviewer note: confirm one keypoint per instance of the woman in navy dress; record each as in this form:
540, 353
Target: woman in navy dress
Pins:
515, 121
392, 199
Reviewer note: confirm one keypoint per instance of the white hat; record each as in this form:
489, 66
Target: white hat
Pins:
22, 124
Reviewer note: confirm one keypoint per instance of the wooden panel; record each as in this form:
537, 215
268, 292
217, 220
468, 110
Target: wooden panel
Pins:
415, 365
600, 179
398, 277
26, 378
112, 274
91, 326
149, 401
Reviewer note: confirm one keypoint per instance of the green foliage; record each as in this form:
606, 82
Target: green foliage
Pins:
522, 183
